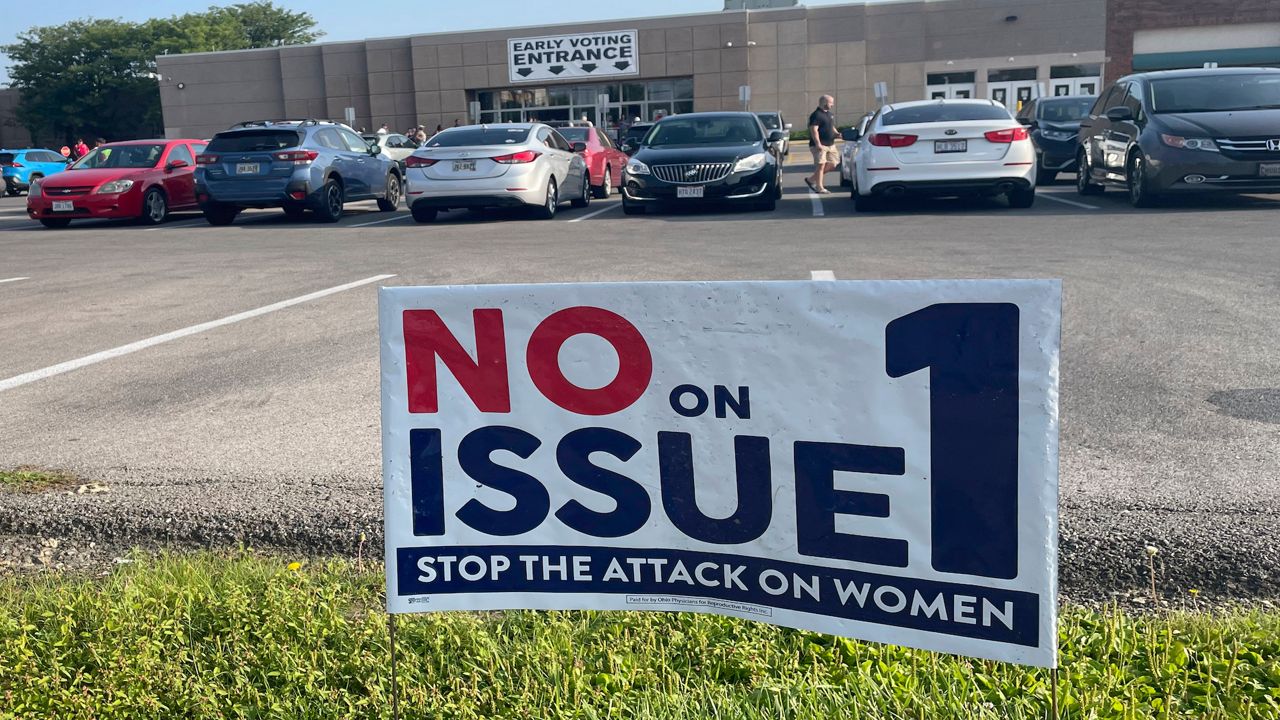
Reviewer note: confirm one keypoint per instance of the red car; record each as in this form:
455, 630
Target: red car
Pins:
604, 160
142, 179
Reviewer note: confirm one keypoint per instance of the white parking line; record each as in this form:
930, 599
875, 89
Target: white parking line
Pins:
597, 212
30, 377
816, 200
178, 225
821, 275
1065, 201
14, 279
379, 222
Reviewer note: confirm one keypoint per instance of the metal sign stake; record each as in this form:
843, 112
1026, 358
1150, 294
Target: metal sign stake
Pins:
395, 684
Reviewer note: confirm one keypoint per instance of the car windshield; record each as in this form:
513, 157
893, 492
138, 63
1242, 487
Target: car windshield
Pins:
638, 131
1216, 92
704, 131
459, 137
121, 156
575, 134
943, 112
1064, 111
254, 141
770, 121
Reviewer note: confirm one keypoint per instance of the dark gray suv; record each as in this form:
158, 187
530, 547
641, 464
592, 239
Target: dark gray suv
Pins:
1181, 131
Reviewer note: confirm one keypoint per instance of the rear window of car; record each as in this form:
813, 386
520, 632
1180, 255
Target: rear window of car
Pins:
770, 121
574, 134
943, 112
6, 158
254, 140
460, 137
1064, 110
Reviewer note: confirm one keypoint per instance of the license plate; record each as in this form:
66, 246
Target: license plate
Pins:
950, 146
63, 206
1269, 169
689, 192
464, 165
246, 168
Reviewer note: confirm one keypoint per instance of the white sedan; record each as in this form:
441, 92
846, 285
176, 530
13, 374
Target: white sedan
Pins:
503, 165
943, 147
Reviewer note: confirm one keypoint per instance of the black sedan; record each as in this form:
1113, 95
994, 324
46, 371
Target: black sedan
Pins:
1181, 131
702, 158
1054, 123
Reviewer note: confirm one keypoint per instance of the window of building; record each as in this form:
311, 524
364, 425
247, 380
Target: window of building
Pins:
627, 101
1074, 71
1011, 75
952, 78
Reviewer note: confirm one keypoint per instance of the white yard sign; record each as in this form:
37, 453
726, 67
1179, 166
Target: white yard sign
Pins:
876, 460
561, 57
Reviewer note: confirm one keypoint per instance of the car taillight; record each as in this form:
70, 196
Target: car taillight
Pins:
419, 162
1007, 136
297, 157
526, 156
15, 163
203, 159
895, 140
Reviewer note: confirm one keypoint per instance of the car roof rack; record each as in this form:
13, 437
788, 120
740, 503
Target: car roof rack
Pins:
263, 123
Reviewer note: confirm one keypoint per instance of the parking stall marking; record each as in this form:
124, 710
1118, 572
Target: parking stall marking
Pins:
1049, 196
595, 213
13, 279
178, 225
816, 201
383, 220
822, 275
60, 368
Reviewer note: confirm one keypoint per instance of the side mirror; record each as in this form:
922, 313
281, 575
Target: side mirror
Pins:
1120, 114
578, 147
850, 134
374, 148
776, 136
629, 146
175, 164
787, 127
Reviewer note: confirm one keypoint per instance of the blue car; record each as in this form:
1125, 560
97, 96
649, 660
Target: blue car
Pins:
20, 167
299, 166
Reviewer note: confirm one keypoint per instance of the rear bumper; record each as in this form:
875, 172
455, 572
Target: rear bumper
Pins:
521, 187
126, 205
14, 183
952, 186
254, 193
448, 202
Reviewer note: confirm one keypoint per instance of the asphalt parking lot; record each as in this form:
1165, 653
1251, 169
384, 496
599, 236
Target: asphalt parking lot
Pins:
223, 382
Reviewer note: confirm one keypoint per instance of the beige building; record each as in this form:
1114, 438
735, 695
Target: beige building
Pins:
606, 71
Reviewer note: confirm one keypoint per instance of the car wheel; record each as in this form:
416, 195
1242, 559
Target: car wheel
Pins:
295, 212
154, 207
1141, 194
390, 201
606, 188
585, 200
865, 203
632, 208
10, 190
549, 206
1022, 197
1084, 180
423, 214
220, 214
329, 205
55, 222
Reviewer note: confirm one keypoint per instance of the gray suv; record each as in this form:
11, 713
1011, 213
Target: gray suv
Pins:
295, 165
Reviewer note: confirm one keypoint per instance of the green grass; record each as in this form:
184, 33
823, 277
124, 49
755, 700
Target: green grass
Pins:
244, 636
32, 479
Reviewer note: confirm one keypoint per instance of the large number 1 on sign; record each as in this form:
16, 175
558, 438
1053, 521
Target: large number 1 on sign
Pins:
971, 350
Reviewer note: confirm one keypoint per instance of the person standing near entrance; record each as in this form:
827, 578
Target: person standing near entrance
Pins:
822, 143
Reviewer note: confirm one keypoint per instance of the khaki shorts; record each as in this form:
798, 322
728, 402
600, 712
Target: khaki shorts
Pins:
824, 156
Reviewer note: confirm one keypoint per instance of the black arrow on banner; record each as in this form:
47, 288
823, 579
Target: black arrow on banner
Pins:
524, 72
590, 67
556, 69
622, 65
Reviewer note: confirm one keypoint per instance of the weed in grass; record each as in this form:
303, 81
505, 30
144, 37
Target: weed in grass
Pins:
28, 478
206, 636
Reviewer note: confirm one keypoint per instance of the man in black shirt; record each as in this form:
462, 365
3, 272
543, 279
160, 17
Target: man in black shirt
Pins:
822, 143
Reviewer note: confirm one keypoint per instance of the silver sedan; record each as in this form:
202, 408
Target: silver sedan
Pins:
502, 165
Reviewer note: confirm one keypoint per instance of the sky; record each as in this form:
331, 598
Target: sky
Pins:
343, 20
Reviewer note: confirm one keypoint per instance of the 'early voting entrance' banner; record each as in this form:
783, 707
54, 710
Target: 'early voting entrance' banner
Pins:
877, 460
